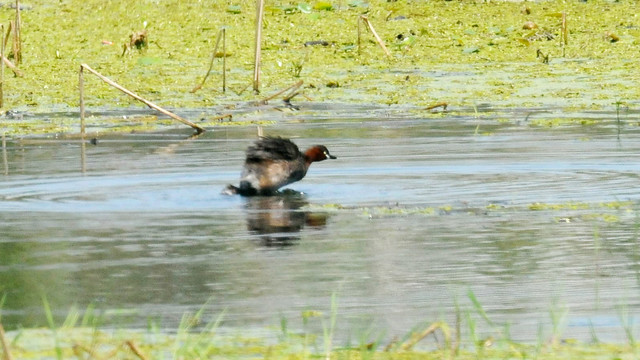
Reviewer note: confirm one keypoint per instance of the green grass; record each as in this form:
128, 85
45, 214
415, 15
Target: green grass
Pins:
84, 336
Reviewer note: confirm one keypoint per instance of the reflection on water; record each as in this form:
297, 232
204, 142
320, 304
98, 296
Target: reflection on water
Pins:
279, 219
413, 215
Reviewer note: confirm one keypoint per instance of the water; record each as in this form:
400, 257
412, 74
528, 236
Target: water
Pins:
413, 215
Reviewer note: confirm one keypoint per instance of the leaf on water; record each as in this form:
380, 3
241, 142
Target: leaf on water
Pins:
471, 50
234, 9
358, 3
323, 5
148, 60
304, 8
495, 30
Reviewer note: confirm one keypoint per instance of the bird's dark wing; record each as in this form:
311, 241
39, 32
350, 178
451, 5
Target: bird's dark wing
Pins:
272, 148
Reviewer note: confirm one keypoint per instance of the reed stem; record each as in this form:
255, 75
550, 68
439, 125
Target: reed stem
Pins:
2, 68
375, 34
258, 46
137, 97
17, 45
81, 89
136, 350
290, 87
213, 57
224, 60
5, 345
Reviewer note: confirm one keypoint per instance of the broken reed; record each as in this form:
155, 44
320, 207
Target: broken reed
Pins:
112, 83
364, 19
292, 92
224, 59
221, 36
2, 67
257, 55
6, 61
17, 45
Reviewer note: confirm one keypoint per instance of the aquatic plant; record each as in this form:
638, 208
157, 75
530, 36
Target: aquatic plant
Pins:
196, 338
440, 33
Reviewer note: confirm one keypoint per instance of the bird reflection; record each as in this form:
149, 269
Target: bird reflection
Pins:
278, 219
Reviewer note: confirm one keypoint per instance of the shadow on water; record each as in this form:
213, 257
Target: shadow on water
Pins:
415, 212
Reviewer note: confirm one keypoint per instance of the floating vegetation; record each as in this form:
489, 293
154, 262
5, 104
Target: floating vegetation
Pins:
560, 121
583, 211
459, 46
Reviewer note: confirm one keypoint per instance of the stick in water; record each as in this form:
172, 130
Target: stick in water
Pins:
215, 50
290, 87
146, 102
224, 60
81, 88
375, 34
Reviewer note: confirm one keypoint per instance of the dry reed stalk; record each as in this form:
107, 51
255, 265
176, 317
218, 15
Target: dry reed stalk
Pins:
291, 95
17, 44
213, 57
13, 68
375, 34
77, 348
136, 350
220, 117
81, 89
4, 58
137, 97
9, 32
443, 105
5, 345
2, 70
258, 46
290, 87
415, 338
224, 60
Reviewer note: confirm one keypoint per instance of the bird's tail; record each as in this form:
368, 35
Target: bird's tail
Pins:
245, 189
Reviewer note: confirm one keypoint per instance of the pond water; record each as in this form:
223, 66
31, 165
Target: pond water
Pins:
414, 214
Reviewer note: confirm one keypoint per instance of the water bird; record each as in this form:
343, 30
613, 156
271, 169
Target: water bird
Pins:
273, 162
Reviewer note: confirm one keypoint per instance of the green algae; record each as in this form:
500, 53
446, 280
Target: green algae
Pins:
430, 40
614, 205
608, 212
